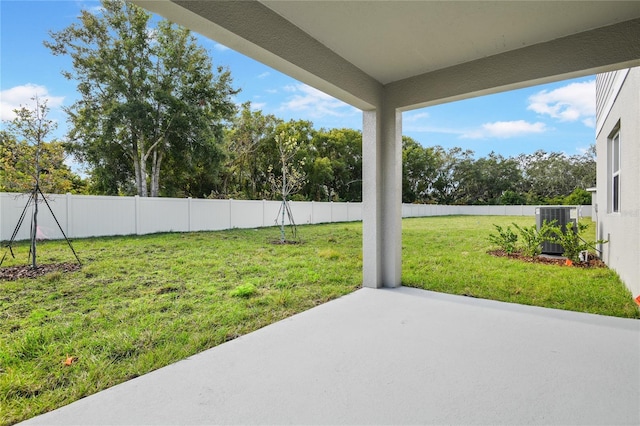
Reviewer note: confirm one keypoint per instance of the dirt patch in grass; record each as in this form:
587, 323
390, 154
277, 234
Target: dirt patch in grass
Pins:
285, 242
12, 273
592, 262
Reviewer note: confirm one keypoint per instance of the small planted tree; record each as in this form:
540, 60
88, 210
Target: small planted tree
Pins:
33, 126
288, 182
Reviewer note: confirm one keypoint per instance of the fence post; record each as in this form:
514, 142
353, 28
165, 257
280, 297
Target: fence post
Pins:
1, 222
136, 213
189, 214
331, 211
69, 221
230, 216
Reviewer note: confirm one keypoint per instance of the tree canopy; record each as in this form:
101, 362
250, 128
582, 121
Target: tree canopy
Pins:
30, 155
152, 110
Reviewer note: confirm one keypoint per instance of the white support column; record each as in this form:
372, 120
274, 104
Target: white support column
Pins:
382, 198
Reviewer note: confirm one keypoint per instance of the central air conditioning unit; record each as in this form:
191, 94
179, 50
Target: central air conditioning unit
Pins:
566, 218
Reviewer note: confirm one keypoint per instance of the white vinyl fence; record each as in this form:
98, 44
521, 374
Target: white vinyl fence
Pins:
83, 216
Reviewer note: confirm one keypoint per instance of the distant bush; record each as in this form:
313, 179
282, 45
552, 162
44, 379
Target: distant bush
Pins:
579, 197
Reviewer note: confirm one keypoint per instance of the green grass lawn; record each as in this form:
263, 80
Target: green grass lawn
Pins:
449, 255
143, 302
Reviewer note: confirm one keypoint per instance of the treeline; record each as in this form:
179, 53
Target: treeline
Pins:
454, 176
154, 117
330, 162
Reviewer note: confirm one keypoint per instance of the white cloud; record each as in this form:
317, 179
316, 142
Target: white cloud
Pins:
575, 101
20, 96
314, 103
413, 117
264, 75
221, 47
256, 106
505, 130
271, 91
408, 127
590, 122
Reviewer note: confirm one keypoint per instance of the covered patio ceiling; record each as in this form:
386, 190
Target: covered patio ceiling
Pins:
386, 57
351, 49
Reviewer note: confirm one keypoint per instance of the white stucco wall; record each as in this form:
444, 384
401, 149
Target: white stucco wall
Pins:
621, 229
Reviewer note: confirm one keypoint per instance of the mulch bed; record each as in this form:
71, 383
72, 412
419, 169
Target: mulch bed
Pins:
26, 271
593, 261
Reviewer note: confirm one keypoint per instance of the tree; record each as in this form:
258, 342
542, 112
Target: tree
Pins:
149, 101
24, 160
446, 186
291, 178
334, 167
549, 177
485, 180
30, 156
579, 197
248, 133
17, 167
419, 170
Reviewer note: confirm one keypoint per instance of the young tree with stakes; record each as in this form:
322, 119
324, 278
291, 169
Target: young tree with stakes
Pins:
35, 128
291, 179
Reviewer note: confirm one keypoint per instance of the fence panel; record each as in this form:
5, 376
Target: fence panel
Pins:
321, 212
302, 212
246, 213
12, 206
209, 215
355, 211
339, 212
101, 216
162, 215
86, 216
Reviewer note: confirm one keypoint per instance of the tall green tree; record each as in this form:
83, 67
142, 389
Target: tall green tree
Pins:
449, 174
485, 180
244, 174
151, 105
549, 177
335, 166
419, 171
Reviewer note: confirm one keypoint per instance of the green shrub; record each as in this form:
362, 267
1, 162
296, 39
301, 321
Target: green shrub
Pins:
533, 238
578, 197
506, 239
571, 241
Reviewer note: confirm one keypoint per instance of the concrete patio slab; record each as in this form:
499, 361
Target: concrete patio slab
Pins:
394, 356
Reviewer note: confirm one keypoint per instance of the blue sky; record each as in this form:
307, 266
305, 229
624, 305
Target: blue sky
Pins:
555, 117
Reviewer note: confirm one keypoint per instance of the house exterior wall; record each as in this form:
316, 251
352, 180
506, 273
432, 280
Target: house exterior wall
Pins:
618, 107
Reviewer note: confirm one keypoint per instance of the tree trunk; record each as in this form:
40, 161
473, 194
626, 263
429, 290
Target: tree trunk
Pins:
139, 167
142, 190
155, 173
